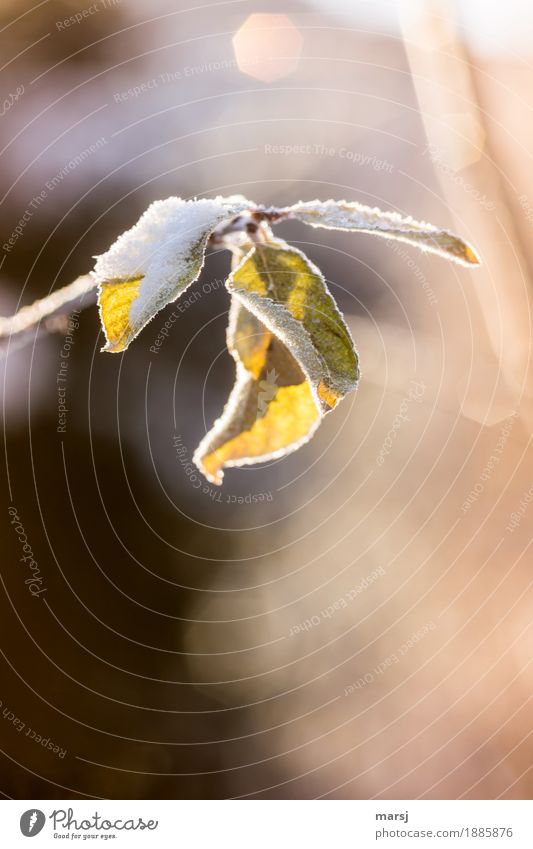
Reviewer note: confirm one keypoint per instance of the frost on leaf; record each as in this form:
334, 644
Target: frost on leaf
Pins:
152, 263
295, 360
344, 215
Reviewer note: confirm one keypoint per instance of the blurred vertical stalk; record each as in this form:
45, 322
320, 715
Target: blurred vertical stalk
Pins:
473, 187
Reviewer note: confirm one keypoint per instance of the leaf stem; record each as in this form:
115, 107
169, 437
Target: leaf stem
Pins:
45, 314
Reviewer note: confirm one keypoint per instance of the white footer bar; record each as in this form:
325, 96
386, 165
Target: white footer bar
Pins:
268, 824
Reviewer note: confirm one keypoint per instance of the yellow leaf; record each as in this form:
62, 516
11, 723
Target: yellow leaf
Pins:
115, 300
271, 410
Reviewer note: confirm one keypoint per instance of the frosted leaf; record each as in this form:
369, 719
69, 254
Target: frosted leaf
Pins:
271, 410
344, 215
149, 265
291, 368
288, 293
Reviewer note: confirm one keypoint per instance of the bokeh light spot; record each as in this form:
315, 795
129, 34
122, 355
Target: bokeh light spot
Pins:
267, 47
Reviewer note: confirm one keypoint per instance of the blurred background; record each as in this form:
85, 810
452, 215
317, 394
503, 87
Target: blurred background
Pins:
350, 622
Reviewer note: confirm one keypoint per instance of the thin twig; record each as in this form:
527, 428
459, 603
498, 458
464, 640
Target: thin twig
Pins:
45, 315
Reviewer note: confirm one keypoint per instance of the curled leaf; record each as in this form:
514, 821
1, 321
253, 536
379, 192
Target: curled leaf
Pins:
271, 409
295, 360
152, 263
344, 215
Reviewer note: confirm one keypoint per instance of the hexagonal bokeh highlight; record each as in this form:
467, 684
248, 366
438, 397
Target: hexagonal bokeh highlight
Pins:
267, 47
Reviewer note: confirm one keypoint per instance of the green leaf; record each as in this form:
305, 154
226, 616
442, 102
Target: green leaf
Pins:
344, 215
